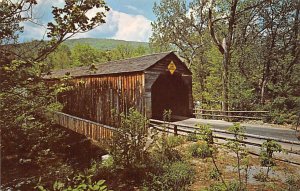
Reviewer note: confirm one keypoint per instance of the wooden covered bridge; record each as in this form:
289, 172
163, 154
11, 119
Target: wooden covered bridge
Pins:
150, 83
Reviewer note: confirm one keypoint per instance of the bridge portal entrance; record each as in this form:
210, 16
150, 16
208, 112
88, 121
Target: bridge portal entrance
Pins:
169, 91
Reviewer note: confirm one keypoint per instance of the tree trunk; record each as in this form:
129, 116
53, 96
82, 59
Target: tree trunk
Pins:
224, 48
225, 81
262, 91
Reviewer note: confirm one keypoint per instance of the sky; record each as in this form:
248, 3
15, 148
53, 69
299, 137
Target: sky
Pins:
127, 20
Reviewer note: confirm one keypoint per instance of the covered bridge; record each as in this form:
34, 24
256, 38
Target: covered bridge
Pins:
150, 83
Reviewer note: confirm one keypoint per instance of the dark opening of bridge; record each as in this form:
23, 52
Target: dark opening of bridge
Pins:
169, 92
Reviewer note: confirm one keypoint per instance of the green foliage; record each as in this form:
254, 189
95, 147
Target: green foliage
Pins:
214, 174
84, 55
267, 152
293, 183
26, 102
261, 176
176, 176
164, 150
241, 153
192, 136
236, 145
61, 58
83, 52
105, 44
200, 149
129, 147
205, 133
262, 70
216, 187
174, 141
78, 183
207, 136
232, 186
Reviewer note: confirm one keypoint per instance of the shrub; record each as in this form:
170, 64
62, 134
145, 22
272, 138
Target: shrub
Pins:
214, 174
200, 149
232, 186
129, 144
267, 154
192, 137
260, 176
174, 141
267, 151
293, 183
176, 176
78, 183
164, 151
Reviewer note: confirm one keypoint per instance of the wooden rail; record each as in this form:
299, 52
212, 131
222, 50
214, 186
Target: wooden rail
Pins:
186, 129
96, 131
255, 115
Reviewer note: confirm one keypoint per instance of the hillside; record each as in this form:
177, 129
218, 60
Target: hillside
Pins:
103, 44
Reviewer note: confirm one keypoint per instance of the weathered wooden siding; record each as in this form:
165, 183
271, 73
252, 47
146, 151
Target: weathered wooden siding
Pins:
162, 65
98, 132
96, 97
160, 68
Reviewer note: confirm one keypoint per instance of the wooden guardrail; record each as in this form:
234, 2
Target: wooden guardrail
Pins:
96, 131
217, 114
177, 129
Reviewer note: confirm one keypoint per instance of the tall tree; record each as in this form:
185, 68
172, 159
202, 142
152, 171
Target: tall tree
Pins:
25, 101
223, 19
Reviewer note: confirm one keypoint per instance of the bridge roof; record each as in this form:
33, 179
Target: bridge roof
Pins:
137, 64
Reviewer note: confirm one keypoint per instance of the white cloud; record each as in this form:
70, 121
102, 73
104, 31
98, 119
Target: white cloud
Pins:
119, 25
132, 27
122, 26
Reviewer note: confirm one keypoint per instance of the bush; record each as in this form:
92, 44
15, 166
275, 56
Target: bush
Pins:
176, 176
192, 137
232, 186
200, 149
129, 144
174, 141
78, 183
293, 183
214, 174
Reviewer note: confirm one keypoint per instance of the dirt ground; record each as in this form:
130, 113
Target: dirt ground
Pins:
280, 175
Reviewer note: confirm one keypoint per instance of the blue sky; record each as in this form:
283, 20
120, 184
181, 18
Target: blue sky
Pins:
127, 20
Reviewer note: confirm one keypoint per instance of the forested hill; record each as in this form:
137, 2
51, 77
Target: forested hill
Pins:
86, 51
103, 44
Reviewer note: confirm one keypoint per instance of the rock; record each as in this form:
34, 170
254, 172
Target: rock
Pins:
25, 161
105, 157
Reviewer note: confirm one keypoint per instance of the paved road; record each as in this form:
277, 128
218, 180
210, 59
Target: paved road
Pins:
261, 130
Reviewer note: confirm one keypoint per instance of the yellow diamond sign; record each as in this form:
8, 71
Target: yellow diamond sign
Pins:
172, 67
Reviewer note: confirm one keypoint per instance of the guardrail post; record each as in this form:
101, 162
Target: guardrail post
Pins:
175, 130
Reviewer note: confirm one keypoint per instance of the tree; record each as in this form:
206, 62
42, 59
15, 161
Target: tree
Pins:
247, 50
84, 55
180, 26
26, 101
59, 59
223, 19
183, 27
